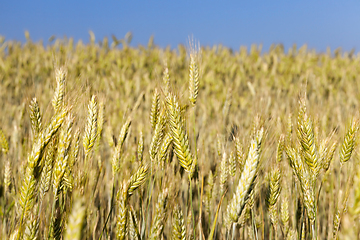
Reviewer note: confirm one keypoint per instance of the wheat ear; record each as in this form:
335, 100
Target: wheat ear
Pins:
73, 158
179, 136
100, 125
7, 177
328, 156
35, 117
45, 178
232, 164
76, 223
165, 145
209, 191
91, 127
155, 109
58, 99
59, 169
166, 80
121, 223
306, 182
274, 190
289, 129
280, 148
61, 163
223, 173
158, 222
133, 231
127, 189
157, 137
140, 148
244, 187
3, 142
124, 132
193, 79
239, 154
32, 227
284, 215
178, 226
306, 136
27, 190
349, 142
137, 179
117, 153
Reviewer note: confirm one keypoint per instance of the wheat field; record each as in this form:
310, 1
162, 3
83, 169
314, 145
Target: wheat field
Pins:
110, 141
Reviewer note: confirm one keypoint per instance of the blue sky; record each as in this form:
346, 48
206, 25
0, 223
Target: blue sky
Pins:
319, 24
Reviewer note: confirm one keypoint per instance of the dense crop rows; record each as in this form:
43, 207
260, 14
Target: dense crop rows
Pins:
105, 141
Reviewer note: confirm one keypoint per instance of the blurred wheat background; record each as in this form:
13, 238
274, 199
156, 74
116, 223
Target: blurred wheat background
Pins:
109, 141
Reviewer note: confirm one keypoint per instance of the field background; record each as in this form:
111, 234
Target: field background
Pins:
286, 101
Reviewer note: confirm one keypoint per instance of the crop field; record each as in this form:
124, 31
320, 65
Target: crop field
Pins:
108, 141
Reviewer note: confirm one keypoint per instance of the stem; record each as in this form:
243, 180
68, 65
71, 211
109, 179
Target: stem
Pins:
111, 208
96, 182
191, 207
52, 214
275, 232
233, 230
150, 189
313, 232
212, 232
254, 224
194, 129
200, 212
